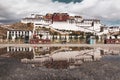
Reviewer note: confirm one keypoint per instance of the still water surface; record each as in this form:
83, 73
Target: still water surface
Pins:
58, 57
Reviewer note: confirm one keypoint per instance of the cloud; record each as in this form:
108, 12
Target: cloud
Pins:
106, 10
68, 1
6, 15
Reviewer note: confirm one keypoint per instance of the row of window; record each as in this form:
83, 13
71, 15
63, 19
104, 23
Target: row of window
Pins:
18, 32
18, 49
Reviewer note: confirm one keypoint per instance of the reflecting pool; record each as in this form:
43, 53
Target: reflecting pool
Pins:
58, 57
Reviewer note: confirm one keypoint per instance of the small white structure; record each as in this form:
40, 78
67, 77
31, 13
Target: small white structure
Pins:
13, 34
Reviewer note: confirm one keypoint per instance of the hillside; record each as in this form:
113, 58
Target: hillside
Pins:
21, 26
15, 26
3, 31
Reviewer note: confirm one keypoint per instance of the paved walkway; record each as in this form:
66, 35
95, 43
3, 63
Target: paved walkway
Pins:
62, 45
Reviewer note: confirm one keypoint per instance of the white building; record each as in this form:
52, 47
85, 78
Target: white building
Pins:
14, 34
109, 30
38, 30
57, 21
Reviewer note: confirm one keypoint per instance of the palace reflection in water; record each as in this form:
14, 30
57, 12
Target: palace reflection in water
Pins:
57, 57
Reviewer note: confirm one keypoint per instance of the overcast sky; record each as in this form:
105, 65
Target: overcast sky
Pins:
106, 10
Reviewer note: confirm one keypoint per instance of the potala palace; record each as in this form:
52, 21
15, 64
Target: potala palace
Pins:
67, 22
64, 21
